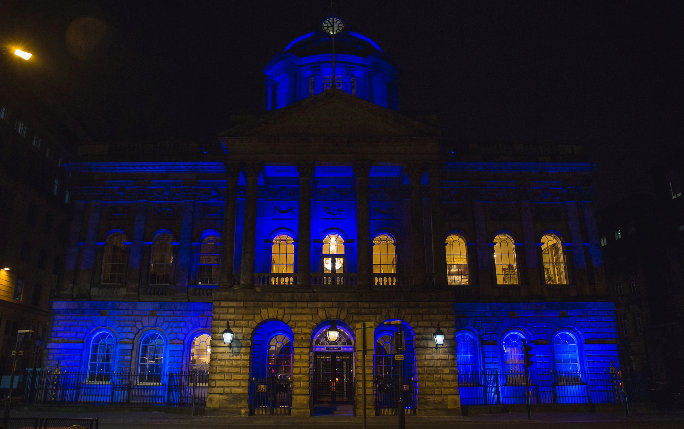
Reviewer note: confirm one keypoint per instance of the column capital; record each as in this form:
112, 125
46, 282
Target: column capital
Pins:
233, 168
252, 168
306, 169
414, 170
362, 168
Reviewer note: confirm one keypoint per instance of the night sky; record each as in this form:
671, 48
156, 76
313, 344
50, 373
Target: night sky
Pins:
606, 74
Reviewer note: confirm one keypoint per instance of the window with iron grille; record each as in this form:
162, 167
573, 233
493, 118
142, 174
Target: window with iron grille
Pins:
151, 358
114, 261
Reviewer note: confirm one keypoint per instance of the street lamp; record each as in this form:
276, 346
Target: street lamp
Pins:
333, 333
438, 337
23, 54
228, 335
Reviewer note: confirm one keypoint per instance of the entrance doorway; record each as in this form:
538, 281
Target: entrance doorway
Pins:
332, 369
333, 378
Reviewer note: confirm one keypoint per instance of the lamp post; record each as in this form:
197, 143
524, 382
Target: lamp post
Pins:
399, 357
15, 354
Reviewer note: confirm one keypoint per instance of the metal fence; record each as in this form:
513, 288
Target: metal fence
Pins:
187, 389
492, 387
387, 395
270, 396
50, 423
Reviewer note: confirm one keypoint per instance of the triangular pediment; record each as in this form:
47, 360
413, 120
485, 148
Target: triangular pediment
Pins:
330, 122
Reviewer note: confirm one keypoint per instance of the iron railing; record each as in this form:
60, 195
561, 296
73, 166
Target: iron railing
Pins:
186, 389
50, 423
387, 396
492, 387
270, 396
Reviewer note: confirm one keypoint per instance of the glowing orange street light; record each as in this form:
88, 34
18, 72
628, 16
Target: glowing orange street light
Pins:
23, 54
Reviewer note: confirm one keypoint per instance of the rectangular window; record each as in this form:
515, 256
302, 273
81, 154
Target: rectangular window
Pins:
35, 297
21, 128
36, 142
327, 82
18, 289
55, 187
604, 242
3, 112
66, 197
618, 234
638, 324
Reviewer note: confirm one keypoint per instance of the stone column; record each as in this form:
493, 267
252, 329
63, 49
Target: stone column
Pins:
300, 375
438, 392
415, 173
484, 251
304, 234
531, 281
228, 235
135, 256
66, 289
185, 249
252, 171
87, 262
438, 236
363, 255
596, 259
579, 275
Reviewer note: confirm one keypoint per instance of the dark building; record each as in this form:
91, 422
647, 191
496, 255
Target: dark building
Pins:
643, 244
36, 140
330, 219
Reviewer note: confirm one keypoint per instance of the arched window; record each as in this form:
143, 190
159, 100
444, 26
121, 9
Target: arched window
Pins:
151, 358
101, 357
457, 260
114, 262
514, 358
504, 260
553, 260
280, 356
467, 358
161, 260
209, 261
282, 259
384, 260
384, 357
566, 357
200, 353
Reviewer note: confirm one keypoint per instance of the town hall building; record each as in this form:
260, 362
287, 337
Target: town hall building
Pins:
334, 243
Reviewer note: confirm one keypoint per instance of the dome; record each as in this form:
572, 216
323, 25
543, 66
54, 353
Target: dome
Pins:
306, 68
318, 42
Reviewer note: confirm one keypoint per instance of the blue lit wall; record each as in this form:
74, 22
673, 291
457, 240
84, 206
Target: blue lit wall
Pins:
76, 322
592, 323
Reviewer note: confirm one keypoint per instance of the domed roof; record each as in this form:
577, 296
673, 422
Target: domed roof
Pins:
318, 42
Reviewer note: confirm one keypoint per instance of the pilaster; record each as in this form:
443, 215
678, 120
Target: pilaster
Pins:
228, 236
361, 171
252, 171
304, 231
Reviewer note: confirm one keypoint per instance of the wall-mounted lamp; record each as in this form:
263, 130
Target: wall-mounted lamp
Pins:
439, 337
6, 268
228, 335
333, 333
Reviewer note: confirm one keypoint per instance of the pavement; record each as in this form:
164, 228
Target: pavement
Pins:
123, 418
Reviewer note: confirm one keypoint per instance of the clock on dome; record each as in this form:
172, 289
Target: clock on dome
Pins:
332, 25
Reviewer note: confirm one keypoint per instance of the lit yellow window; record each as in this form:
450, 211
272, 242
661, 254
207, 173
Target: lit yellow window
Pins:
333, 254
553, 260
384, 255
457, 260
504, 260
201, 352
282, 255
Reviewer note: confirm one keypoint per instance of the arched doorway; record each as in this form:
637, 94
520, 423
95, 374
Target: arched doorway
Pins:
332, 375
395, 367
272, 360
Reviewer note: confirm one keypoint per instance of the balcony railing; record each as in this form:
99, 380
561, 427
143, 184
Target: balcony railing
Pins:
334, 280
382, 280
275, 279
